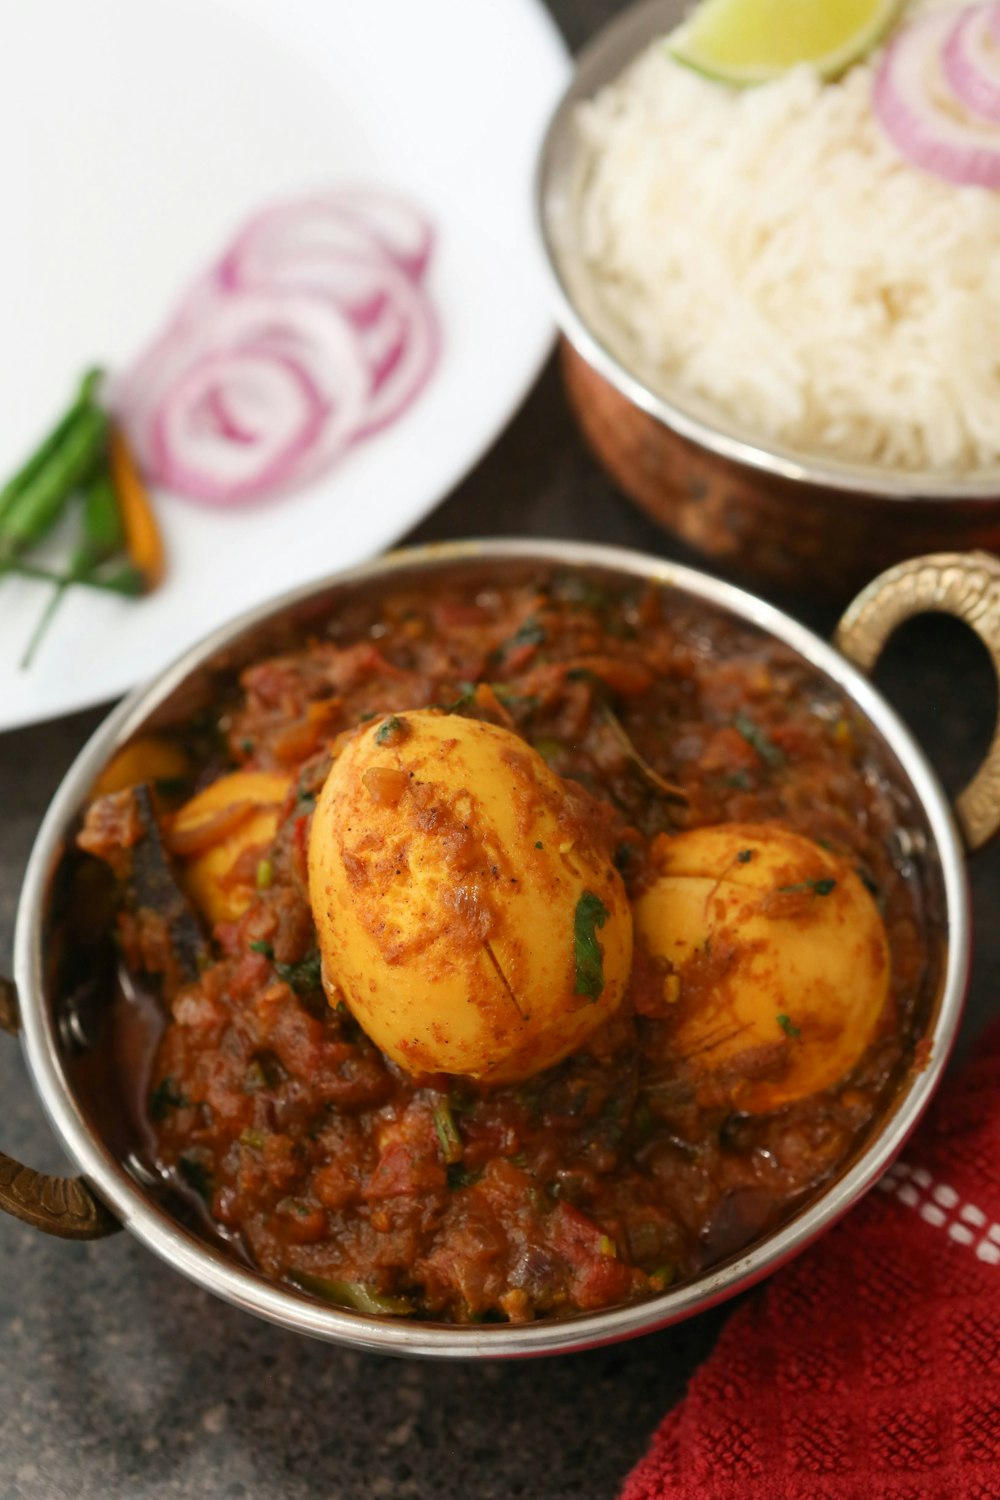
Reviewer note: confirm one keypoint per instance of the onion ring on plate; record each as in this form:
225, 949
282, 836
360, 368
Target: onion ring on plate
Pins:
274, 246
396, 327
234, 424
354, 221
399, 227
401, 349
316, 306
308, 334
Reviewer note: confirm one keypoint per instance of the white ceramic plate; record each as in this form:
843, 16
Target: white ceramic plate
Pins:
135, 139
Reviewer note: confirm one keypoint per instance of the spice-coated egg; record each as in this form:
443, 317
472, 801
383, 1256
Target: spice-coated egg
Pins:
466, 910
778, 962
220, 834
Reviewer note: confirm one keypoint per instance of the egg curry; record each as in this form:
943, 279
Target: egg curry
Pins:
516, 953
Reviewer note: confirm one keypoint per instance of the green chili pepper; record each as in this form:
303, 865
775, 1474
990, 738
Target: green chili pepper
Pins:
102, 539
123, 578
51, 443
34, 510
103, 533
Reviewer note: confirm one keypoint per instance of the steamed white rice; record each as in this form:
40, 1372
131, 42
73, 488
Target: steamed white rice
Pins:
770, 251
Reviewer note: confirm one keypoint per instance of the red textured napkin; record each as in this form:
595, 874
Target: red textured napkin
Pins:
869, 1369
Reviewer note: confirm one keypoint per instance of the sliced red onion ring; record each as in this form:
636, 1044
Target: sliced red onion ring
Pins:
971, 61
302, 333
235, 425
399, 227
396, 329
355, 221
401, 349
278, 243
312, 332
918, 113
355, 282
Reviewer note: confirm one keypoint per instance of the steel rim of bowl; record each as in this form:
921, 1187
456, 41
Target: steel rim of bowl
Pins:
600, 62
245, 1288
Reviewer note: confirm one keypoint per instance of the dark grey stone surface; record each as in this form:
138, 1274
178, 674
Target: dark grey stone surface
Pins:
120, 1381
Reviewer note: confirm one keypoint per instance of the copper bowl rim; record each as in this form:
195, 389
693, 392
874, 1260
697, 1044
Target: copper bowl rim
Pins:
209, 1267
556, 187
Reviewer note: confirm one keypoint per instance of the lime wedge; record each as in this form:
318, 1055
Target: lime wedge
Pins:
752, 41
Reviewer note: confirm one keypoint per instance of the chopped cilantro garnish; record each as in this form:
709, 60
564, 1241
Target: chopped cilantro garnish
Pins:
391, 731
758, 740
539, 844
506, 693
164, 1097
744, 857
531, 633
818, 887
302, 976
788, 1025
466, 695
591, 914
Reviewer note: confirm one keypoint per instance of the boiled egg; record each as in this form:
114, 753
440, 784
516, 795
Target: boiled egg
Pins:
466, 909
776, 961
219, 834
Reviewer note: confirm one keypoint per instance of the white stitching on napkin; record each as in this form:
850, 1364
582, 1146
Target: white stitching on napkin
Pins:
940, 1205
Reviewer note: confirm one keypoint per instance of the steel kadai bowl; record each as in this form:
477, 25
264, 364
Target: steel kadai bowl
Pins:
793, 518
60, 1035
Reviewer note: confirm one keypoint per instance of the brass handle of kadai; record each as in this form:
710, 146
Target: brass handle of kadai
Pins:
64, 1206
965, 584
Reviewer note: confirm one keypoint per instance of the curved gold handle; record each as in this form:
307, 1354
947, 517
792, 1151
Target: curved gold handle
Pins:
64, 1206
966, 584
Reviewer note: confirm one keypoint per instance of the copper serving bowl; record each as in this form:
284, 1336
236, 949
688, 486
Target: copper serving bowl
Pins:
755, 508
60, 1022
